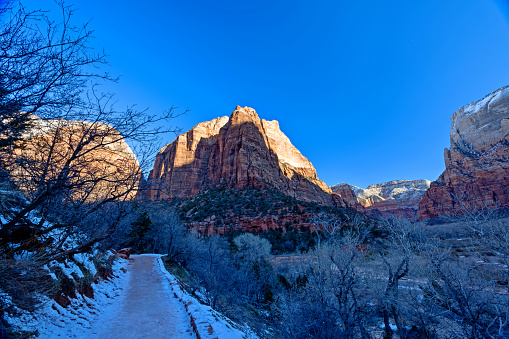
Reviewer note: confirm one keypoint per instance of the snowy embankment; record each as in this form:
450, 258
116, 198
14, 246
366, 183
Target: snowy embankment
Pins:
78, 319
206, 322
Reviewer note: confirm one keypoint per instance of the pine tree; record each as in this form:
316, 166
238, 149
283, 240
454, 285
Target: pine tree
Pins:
138, 233
13, 122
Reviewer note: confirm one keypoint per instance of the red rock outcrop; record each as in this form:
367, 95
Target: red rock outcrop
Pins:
345, 193
253, 224
239, 151
125, 253
477, 162
399, 198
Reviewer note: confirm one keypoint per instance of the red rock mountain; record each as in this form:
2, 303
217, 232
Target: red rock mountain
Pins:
399, 198
477, 162
239, 151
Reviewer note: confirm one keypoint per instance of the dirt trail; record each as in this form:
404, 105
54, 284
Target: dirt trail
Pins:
147, 310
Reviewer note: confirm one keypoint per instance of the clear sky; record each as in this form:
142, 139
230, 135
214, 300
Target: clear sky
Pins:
364, 89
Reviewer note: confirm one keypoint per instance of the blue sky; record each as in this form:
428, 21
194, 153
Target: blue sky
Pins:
364, 89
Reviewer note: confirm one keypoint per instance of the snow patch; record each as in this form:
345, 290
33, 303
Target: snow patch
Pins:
493, 97
86, 260
69, 268
391, 190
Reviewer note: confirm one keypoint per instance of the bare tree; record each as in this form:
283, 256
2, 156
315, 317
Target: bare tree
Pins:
475, 212
168, 234
210, 261
466, 294
330, 228
254, 274
251, 247
403, 241
334, 301
74, 161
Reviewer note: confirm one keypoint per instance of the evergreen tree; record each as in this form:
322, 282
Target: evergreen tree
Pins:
138, 233
13, 122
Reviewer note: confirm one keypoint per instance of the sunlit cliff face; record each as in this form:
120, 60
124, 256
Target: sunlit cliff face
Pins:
94, 158
240, 150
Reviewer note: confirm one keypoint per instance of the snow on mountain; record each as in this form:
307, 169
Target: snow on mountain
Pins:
477, 160
400, 190
398, 198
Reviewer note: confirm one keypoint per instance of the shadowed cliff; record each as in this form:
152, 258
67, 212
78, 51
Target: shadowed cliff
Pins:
476, 176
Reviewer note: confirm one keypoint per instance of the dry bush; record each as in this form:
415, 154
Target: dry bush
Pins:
22, 282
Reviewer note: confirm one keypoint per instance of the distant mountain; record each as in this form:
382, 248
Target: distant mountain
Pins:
398, 198
477, 163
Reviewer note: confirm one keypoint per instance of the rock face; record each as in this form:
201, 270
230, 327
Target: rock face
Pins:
253, 224
239, 151
398, 198
477, 162
346, 193
103, 164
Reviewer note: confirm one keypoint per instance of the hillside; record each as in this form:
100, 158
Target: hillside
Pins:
261, 210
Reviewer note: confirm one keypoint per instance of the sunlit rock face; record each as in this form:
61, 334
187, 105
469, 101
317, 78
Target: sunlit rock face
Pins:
105, 166
477, 162
237, 151
393, 199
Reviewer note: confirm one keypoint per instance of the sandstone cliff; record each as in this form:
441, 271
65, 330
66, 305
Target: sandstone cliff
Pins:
239, 151
345, 193
256, 209
398, 198
477, 162
91, 160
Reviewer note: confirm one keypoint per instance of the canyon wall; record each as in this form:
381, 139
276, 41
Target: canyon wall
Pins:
91, 160
477, 162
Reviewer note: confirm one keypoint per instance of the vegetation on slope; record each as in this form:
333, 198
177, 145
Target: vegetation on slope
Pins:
291, 222
225, 203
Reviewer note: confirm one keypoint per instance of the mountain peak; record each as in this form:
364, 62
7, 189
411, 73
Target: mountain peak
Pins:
244, 114
393, 198
238, 151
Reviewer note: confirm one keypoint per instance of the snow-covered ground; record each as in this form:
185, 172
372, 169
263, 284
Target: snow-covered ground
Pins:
146, 310
77, 319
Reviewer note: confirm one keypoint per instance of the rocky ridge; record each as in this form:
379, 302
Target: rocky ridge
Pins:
477, 162
399, 198
240, 151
